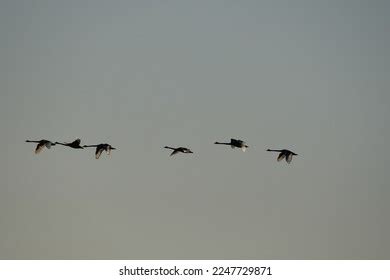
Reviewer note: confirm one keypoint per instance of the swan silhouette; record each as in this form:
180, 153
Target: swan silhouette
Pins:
179, 150
235, 143
100, 148
284, 154
75, 144
41, 144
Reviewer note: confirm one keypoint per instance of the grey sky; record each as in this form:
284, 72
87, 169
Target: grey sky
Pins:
310, 76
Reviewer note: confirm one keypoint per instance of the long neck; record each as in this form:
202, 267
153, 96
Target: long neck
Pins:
269, 150
166, 147
220, 143
87, 146
30, 141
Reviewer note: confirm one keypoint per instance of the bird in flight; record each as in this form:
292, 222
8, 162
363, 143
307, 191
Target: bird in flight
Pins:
75, 144
179, 150
100, 148
284, 154
234, 143
41, 144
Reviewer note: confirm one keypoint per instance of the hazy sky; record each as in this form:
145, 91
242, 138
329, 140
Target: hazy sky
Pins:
310, 76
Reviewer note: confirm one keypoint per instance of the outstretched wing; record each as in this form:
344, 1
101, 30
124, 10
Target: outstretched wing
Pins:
289, 157
174, 152
39, 148
281, 156
99, 151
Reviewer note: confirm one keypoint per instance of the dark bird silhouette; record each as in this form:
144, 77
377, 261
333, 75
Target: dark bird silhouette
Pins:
75, 144
284, 154
179, 150
100, 148
41, 144
234, 143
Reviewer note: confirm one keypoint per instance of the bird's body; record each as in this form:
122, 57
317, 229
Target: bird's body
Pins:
287, 154
235, 143
179, 150
41, 144
100, 148
75, 144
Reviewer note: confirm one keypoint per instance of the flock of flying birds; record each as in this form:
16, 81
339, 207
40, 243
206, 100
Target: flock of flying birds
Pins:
75, 145
100, 148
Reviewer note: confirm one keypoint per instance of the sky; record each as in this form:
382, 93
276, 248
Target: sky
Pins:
309, 76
